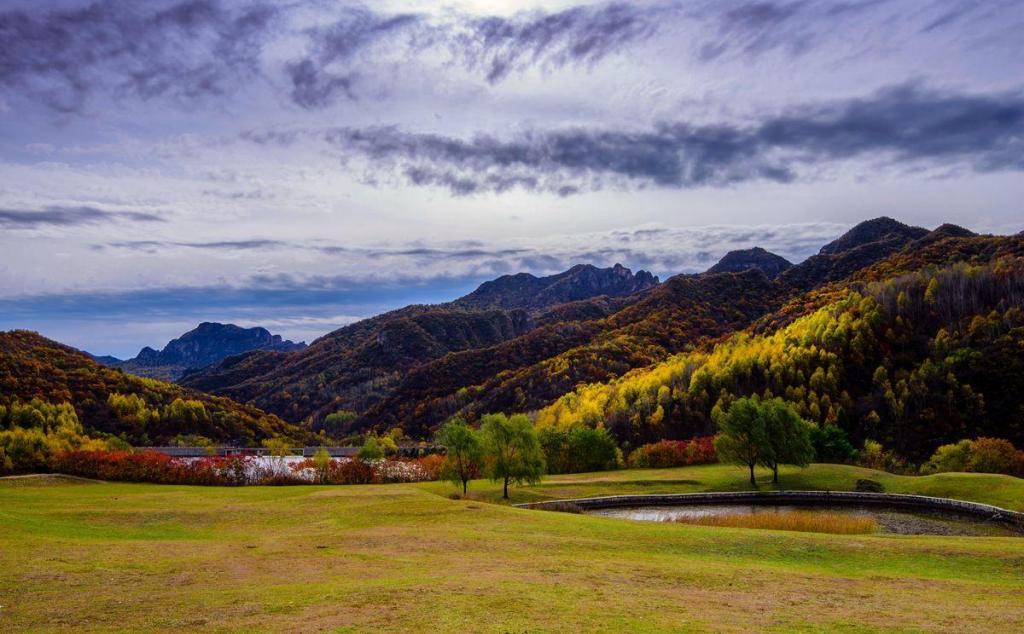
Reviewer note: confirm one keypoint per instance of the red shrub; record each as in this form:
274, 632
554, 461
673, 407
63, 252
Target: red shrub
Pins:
674, 453
431, 465
352, 471
237, 470
156, 467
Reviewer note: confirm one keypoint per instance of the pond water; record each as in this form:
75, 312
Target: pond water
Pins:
890, 521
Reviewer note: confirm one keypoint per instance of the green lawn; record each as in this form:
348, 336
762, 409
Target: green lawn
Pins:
1004, 491
405, 558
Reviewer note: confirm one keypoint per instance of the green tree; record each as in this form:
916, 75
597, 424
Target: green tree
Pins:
831, 444
511, 449
578, 449
742, 436
788, 437
463, 451
337, 423
322, 464
371, 449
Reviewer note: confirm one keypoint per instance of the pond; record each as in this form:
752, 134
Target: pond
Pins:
889, 521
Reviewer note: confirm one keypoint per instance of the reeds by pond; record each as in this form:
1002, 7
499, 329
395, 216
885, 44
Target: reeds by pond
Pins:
803, 521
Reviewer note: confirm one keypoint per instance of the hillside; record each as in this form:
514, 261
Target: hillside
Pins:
142, 411
914, 362
681, 313
353, 366
204, 345
393, 372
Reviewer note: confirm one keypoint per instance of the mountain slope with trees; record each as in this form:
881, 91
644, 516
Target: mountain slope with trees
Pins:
914, 362
556, 347
110, 402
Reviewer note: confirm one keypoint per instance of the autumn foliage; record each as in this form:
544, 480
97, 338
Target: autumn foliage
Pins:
674, 453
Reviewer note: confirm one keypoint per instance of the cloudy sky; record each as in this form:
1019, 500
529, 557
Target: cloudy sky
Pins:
300, 165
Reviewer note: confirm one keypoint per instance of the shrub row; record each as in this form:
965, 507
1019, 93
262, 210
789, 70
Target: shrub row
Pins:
239, 470
358, 471
674, 453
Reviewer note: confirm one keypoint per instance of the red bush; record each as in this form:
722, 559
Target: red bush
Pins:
431, 465
237, 470
351, 472
674, 453
151, 466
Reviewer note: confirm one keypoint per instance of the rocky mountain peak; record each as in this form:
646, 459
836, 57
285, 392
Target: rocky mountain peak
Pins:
874, 230
756, 258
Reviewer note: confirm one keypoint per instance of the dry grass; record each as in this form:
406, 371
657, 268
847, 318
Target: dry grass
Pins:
122, 557
801, 521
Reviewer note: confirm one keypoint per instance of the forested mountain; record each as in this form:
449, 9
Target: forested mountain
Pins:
757, 258
914, 361
204, 345
415, 367
108, 401
895, 333
352, 367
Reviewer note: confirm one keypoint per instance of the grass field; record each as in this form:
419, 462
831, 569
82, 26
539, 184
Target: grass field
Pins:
130, 557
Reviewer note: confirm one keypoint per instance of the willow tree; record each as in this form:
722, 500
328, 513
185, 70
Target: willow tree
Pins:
462, 452
788, 437
512, 450
742, 436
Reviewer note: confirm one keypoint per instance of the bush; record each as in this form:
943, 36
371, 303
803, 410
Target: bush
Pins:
954, 457
995, 455
674, 453
868, 486
431, 465
874, 456
984, 455
6, 464
578, 450
831, 444
151, 466
351, 472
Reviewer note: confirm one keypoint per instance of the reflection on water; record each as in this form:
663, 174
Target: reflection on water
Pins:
897, 522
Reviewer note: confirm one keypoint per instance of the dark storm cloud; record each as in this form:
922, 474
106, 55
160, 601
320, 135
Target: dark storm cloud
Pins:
908, 125
495, 46
185, 50
314, 82
577, 35
68, 217
794, 27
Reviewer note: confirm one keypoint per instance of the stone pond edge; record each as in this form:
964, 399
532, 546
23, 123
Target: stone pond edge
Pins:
797, 498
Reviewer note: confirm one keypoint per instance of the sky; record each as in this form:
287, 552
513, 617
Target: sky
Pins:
300, 165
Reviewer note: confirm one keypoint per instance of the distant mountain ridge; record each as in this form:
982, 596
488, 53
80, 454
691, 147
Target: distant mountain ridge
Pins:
208, 343
582, 281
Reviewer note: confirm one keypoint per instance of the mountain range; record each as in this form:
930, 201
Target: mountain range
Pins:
204, 345
416, 366
553, 344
